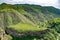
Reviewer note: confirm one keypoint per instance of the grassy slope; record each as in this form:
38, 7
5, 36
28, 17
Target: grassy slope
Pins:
22, 27
29, 15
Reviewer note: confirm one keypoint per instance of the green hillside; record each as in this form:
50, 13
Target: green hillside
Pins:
32, 19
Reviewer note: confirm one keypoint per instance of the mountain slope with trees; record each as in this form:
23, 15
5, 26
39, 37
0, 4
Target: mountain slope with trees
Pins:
33, 22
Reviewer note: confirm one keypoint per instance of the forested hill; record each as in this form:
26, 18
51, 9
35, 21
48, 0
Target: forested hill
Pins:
30, 19
33, 13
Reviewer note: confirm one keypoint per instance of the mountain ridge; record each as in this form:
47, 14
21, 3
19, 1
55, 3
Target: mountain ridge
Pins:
34, 13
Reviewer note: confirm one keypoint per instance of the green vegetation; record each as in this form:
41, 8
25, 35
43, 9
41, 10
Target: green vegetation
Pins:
53, 34
43, 23
22, 27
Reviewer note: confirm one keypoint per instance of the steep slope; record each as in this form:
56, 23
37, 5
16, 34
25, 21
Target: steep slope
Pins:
38, 14
33, 15
24, 17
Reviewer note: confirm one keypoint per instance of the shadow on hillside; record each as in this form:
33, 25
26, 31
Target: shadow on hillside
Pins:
25, 38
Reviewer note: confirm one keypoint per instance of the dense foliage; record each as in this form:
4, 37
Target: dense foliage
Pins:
53, 34
43, 23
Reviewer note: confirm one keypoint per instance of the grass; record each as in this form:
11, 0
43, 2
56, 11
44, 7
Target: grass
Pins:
22, 27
